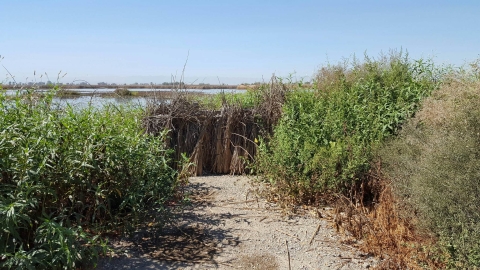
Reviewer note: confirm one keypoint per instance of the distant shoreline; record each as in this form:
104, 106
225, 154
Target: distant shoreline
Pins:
133, 86
130, 94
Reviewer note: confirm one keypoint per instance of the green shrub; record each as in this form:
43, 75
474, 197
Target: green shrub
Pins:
69, 175
253, 98
325, 138
249, 99
123, 92
435, 167
67, 93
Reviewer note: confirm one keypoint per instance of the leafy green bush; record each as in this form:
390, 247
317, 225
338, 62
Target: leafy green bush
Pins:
252, 98
248, 99
325, 137
122, 92
68, 175
435, 167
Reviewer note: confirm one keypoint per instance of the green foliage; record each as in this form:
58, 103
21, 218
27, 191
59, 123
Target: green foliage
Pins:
68, 175
249, 99
67, 93
253, 98
123, 92
435, 167
325, 138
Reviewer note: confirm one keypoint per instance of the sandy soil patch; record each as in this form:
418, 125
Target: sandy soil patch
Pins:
228, 226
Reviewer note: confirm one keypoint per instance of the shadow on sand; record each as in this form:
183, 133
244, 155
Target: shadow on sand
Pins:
194, 238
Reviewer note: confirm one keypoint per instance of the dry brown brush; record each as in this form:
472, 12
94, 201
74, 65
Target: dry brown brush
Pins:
376, 216
217, 140
418, 205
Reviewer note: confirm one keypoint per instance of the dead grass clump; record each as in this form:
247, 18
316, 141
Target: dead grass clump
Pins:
376, 216
219, 140
216, 141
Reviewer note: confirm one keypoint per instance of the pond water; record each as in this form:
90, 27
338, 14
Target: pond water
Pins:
203, 91
85, 101
96, 101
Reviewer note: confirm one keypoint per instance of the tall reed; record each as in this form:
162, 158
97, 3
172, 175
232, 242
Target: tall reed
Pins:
68, 175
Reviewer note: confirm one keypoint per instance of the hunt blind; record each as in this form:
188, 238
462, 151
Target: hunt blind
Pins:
216, 141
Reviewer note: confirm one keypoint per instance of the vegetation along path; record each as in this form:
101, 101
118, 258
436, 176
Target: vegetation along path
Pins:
228, 226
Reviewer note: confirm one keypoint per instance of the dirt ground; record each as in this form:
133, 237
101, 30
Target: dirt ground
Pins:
228, 226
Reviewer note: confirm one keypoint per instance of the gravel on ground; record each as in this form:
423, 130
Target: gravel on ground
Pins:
228, 226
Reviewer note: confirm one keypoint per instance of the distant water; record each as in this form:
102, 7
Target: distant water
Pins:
203, 91
84, 101
107, 90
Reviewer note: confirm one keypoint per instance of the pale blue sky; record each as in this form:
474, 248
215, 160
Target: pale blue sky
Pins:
236, 41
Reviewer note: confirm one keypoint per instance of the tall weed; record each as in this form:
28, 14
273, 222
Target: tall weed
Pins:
325, 138
67, 175
435, 168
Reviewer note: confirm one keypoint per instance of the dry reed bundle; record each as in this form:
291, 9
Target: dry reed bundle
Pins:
217, 141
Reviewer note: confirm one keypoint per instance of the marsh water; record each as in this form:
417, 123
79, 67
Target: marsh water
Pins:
201, 91
91, 96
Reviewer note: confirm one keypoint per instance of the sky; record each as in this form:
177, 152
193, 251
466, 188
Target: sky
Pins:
225, 41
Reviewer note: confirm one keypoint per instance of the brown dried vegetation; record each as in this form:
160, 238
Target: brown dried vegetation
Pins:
220, 140
376, 216
417, 207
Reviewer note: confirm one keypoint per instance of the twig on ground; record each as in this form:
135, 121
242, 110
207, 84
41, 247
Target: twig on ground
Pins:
314, 234
237, 202
288, 254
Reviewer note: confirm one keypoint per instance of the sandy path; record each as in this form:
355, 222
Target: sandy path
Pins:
228, 227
